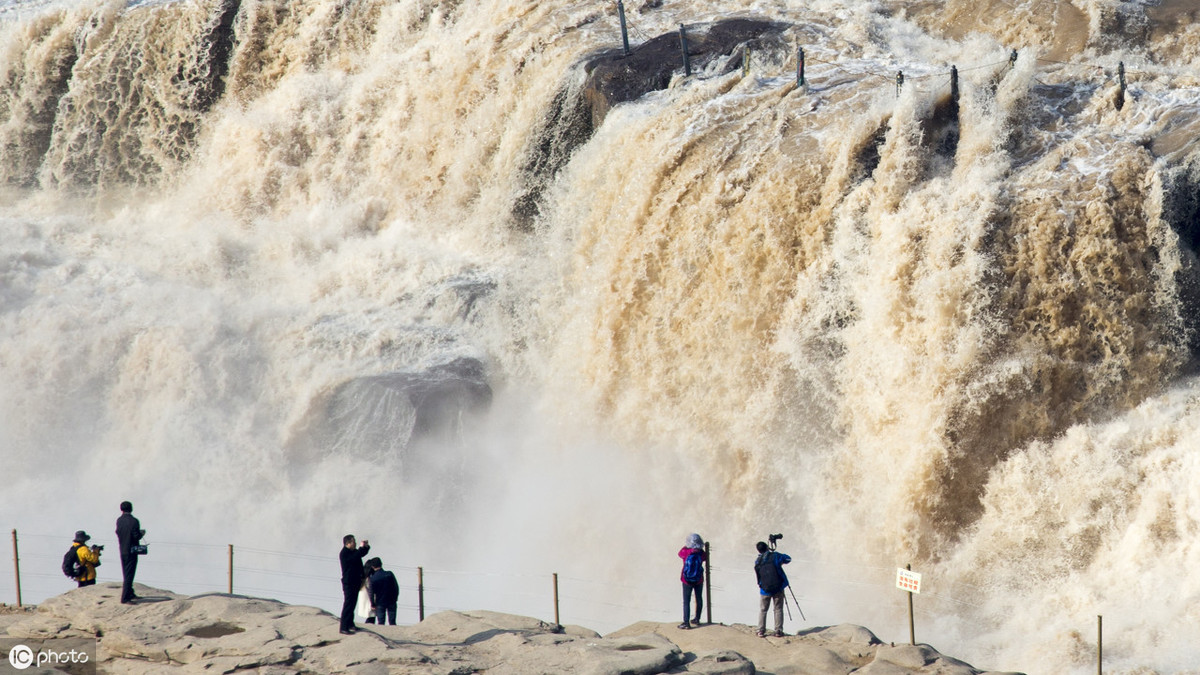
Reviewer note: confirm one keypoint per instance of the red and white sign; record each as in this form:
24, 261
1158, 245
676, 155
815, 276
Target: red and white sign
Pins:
907, 580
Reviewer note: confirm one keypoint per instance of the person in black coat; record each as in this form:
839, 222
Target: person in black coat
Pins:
351, 557
129, 534
385, 591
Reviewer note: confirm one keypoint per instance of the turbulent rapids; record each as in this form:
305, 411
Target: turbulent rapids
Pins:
468, 267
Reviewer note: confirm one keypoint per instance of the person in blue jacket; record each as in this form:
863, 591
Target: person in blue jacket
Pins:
768, 568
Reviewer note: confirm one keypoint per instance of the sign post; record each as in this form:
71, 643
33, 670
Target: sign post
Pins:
908, 580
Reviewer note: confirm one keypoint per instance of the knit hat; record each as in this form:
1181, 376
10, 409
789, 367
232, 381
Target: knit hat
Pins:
81, 536
694, 541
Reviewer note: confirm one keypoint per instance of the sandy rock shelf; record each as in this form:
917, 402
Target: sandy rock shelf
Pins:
218, 633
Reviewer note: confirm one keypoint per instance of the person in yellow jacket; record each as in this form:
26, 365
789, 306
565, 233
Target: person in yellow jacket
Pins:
89, 557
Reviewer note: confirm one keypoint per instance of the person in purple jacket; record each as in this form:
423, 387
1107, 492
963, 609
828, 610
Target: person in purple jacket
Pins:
692, 577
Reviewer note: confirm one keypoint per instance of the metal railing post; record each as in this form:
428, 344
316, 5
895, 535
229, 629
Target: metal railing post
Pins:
624, 31
16, 566
683, 46
708, 580
420, 593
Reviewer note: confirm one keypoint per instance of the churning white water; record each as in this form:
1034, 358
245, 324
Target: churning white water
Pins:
281, 271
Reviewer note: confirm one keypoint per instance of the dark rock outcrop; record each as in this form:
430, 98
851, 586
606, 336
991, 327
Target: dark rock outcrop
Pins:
612, 77
386, 414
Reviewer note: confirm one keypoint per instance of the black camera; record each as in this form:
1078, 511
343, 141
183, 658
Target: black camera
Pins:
98, 547
772, 538
139, 549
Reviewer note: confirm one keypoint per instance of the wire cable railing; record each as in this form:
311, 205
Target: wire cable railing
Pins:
193, 568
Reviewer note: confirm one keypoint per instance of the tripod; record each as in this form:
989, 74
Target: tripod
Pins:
771, 539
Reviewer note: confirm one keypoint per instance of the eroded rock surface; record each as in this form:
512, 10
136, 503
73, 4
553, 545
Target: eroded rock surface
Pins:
219, 633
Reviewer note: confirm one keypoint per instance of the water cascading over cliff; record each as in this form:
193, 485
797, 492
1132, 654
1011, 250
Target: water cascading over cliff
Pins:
315, 266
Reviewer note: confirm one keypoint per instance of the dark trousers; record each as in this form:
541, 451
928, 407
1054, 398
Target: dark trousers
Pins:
349, 600
128, 569
388, 612
688, 589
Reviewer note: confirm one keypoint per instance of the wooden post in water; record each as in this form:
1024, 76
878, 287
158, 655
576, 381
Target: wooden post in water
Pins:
683, 46
1120, 102
800, 67
1012, 59
17, 566
1099, 645
624, 31
954, 83
708, 581
899, 81
745, 60
420, 594
557, 623
231, 569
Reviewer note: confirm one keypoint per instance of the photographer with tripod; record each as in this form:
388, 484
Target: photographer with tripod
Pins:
768, 568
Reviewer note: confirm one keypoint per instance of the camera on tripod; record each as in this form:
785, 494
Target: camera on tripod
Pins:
771, 539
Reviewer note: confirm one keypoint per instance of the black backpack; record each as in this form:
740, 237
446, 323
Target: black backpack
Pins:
71, 565
769, 577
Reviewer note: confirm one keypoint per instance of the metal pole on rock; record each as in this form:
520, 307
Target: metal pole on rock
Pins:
1121, 76
624, 31
708, 581
912, 630
17, 566
800, 67
557, 623
687, 58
